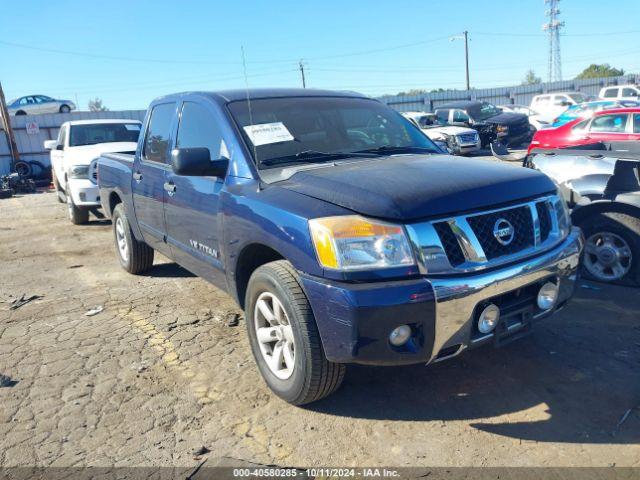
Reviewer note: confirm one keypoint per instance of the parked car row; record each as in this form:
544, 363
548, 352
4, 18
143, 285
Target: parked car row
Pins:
339, 226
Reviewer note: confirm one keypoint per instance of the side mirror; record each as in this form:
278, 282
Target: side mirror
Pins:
50, 144
59, 147
197, 162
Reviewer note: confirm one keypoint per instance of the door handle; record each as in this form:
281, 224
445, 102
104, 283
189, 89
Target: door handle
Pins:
170, 188
137, 176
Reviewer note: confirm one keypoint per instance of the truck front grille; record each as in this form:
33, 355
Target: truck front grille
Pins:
520, 218
450, 243
544, 215
473, 242
467, 138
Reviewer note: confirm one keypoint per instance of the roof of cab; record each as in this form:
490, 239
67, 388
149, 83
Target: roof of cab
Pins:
225, 96
97, 121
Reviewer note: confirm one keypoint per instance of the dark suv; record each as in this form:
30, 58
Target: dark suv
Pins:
492, 123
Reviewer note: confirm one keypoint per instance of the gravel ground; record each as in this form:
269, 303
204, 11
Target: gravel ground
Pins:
163, 370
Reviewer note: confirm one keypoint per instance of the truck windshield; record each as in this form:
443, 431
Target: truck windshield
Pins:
312, 129
485, 111
91, 134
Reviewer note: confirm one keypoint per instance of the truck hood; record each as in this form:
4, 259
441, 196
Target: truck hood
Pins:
436, 132
85, 154
411, 187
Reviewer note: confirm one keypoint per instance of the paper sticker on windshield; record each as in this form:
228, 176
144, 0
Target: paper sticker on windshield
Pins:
266, 133
132, 127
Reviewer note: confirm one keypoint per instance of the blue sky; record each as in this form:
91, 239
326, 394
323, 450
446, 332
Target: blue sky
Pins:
128, 52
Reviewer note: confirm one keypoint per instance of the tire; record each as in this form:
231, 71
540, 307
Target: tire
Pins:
23, 168
77, 215
312, 376
64, 109
139, 255
59, 193
612, 242
20, 112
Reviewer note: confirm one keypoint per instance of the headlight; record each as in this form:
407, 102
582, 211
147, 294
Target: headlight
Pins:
352, 242
502, 129
79, 171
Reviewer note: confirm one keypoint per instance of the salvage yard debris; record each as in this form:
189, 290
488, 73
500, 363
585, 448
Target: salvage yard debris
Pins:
19, 302
94, 311
6, 381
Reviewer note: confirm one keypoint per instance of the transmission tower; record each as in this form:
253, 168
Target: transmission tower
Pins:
552, 27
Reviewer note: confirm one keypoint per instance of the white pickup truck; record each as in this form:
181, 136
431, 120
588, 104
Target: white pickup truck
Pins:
459, 140
73, 160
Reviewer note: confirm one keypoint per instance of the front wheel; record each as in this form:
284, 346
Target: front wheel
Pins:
612, 248
284, 337
134, 256
77, 215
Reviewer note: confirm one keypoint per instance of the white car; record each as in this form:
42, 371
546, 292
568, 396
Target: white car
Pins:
552, 105
459, 140
37, 104
537, 121
74, 160
620, 92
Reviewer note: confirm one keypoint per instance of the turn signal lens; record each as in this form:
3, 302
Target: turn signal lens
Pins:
352, 242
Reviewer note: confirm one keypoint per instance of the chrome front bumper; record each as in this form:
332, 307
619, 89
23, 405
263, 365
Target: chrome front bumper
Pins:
457, 297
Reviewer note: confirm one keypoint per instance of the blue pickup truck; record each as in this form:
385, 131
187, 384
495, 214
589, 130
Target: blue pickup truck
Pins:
343, 232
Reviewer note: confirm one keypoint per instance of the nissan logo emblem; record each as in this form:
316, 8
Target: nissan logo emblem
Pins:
503, 231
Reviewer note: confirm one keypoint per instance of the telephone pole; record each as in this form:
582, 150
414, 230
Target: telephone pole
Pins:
466, 56
301, 65
8, 131
465, 37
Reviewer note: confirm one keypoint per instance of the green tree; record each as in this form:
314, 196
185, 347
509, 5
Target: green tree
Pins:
96, 105
602, 70
531, 79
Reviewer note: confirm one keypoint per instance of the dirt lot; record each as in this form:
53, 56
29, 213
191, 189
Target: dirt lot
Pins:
163, 371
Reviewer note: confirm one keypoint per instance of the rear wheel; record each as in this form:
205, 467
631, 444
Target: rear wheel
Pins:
134, 256
612, 248
65, 109
284, 337
77, 215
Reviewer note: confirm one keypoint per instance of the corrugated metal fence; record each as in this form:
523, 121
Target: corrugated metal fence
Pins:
45, 127
521, 94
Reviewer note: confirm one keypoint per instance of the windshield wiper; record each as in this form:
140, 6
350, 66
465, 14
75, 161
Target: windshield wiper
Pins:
312, 156
385, 149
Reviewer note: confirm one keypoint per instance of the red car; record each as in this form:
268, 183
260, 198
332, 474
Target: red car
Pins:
621, 124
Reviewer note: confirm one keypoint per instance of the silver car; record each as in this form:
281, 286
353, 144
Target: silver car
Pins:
36, 104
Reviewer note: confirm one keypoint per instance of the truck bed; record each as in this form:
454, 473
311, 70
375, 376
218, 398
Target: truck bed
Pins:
114, 177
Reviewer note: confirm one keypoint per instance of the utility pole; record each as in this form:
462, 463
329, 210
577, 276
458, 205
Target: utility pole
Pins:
465, 37
466, 56
301, 65
8, 131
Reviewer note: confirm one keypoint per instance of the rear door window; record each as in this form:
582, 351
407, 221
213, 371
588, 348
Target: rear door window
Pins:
157, 139
610, 93
636, 123
443, 116
615, 123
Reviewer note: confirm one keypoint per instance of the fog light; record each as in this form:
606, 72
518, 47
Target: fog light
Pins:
547, 296
488, 318
400, 335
